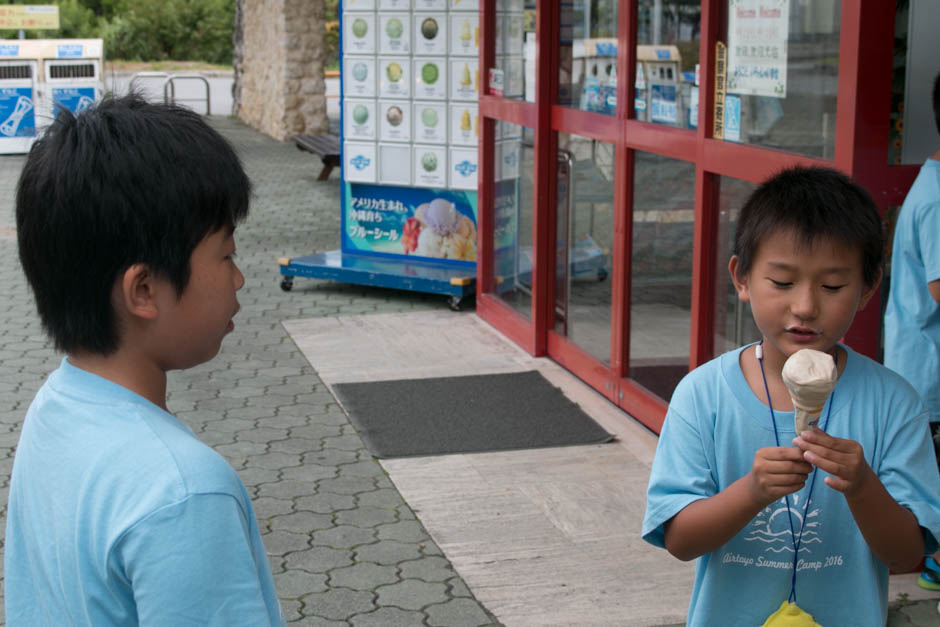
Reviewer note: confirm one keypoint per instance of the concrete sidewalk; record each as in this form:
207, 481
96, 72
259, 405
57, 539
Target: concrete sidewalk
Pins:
346, 547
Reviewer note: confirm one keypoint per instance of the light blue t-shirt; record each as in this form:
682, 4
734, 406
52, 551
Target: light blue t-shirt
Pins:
714, 426
119, 515
912, 318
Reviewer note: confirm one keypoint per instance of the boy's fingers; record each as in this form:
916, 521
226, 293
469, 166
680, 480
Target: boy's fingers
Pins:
821, 438
778, 453
837, 484
833, 467
788, 467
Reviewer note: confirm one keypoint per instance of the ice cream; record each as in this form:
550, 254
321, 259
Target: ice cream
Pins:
444, 232
465, 121
465, 76
809, 376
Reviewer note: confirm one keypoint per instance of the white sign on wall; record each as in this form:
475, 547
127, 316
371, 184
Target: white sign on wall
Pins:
757, 47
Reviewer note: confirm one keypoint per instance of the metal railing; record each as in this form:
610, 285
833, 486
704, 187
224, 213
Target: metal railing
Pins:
169, 86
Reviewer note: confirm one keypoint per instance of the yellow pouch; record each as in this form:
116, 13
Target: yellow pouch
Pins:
790, 615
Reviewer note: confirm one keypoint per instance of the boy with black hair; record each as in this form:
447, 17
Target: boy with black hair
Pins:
912, 318
733, 485
118, 514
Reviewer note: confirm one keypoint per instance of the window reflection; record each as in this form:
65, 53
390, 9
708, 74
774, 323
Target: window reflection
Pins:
585, 231
513, 162
783, 74
661, 276
515, 47
668, 33
587, 72
734, 324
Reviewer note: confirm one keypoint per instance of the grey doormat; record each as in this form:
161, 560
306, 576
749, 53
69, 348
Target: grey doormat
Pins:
491, 412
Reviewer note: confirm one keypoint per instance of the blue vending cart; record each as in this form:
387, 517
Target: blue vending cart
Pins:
409, 132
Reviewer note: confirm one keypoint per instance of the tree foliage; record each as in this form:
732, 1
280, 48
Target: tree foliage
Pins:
147, 30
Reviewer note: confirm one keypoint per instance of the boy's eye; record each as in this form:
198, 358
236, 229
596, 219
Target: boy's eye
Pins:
231, 255
781, 283
833, 288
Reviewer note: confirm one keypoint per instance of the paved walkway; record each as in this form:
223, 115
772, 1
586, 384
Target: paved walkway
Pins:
345, 547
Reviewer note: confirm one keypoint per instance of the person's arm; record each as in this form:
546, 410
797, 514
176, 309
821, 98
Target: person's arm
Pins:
706, 524
193, 563
934, 288
891, 531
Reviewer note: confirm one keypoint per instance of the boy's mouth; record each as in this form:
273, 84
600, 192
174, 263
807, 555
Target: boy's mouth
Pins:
804, 334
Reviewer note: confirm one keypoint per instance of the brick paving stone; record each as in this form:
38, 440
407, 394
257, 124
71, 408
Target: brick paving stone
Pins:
268, 507
457, 612
428, 569
325, 503
366, 517
411, 594
458, 588
316, 621
283, 542
287, 490
347, 485
294, 585
302, 522
385, 497
388, 552
309, 472
361, 469
388, 617
318, 559
343, 537
338, 603
403, 531
299, 445
362, 576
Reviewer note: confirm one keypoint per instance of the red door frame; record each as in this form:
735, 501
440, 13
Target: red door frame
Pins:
861, 150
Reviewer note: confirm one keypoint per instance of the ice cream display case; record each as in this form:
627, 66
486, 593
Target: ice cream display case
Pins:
409, 89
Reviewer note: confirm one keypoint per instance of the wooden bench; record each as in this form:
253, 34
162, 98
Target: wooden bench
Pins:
324, 146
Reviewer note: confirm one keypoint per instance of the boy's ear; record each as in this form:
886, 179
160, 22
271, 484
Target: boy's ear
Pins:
137, 292
740, 283
869, 290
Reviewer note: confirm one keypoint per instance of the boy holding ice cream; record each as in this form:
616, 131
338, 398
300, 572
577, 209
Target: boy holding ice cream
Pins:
783, 522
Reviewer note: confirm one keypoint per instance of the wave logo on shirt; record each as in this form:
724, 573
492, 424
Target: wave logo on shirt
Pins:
771, 527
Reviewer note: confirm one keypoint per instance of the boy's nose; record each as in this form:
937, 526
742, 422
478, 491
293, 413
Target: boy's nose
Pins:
239, 279
804, 305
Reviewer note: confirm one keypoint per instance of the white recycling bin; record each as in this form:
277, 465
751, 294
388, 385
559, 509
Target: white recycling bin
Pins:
18, 97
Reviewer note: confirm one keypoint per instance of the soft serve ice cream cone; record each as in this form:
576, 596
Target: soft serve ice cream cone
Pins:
809, 376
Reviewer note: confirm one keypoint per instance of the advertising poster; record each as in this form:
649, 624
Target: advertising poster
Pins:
757, 47
75, 99
17, 116
435, 224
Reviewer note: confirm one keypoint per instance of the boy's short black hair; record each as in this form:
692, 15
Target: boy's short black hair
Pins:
936, 101
123, 182
812, 203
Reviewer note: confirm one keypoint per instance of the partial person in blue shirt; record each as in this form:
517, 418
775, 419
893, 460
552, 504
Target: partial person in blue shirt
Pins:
118, 515
781, 521
912, 318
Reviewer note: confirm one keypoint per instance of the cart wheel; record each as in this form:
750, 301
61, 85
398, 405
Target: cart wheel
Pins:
601, 274
287, 283
454, 303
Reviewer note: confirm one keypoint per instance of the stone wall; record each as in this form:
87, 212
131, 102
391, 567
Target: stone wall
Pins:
279, 87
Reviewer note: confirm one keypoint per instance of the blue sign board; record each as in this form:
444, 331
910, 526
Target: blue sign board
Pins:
733, 118
9, 50
664, 107
389, 221
17, 114
69, 51
75, 99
